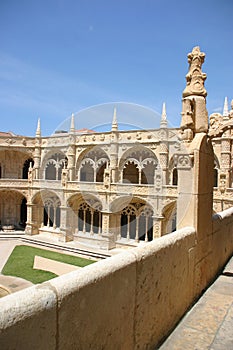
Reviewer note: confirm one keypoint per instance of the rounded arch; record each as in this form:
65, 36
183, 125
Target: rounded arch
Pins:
12, 163
52, 164
85, 215
136, 220
13, 209
91, 164
138, 165
52, 203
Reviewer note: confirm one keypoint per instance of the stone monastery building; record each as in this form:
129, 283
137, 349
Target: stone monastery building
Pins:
110, 189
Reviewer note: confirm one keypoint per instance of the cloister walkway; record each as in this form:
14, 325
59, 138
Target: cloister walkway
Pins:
209, 324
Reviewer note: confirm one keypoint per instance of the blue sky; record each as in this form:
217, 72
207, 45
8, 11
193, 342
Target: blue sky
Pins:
59, 57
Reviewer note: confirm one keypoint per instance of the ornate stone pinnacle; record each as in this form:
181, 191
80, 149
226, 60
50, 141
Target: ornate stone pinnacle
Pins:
72, 124
114, 120
195, 77
163, 122
225, 108
38, 130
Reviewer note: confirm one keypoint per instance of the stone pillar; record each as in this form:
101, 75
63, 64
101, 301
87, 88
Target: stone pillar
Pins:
107, 235
157, 226
31, 228
163, 155
195, 205
65, 234
195, 186
71, 162
114, 157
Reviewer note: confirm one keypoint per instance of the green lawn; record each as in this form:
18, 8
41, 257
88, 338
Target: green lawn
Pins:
21, 260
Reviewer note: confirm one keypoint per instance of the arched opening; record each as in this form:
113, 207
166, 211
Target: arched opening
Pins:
51, 213
138, 165
85, 215
169, 223
92, 165
54, 166
137, 222
87, 172
50, 171
89, 219
100, 173
131, 173
26, 167
13, 209
174, 177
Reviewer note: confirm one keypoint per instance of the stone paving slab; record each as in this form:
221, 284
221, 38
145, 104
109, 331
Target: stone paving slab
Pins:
209, 324
57, 267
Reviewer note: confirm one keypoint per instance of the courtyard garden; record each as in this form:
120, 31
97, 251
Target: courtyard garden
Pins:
21, 262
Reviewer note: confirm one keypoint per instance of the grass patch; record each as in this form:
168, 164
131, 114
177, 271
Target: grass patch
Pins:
21, 260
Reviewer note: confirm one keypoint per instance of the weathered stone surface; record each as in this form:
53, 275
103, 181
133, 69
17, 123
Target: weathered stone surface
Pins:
28, 319
101, 300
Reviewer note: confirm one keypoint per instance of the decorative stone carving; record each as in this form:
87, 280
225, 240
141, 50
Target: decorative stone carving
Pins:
194, 113
184, 161
195, 77
10, 141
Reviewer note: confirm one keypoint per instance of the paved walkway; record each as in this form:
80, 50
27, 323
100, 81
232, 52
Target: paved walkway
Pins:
209, 324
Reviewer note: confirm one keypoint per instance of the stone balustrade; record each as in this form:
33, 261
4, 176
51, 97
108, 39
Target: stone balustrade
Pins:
130, 301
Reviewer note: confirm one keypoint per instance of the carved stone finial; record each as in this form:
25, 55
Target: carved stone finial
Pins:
163, 122
195, 77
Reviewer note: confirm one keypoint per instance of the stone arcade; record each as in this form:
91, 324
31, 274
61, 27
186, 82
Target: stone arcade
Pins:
109, 189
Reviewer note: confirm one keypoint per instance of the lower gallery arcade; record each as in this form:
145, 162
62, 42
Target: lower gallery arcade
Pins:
129, 222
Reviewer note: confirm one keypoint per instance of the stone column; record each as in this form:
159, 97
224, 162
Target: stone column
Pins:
65, 234
107, 235
71, 160
31, 228
157, 226
163, 155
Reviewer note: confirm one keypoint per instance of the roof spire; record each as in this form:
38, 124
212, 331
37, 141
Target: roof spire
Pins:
38, 130
114, 120
163, 122
72, 124
225, 108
